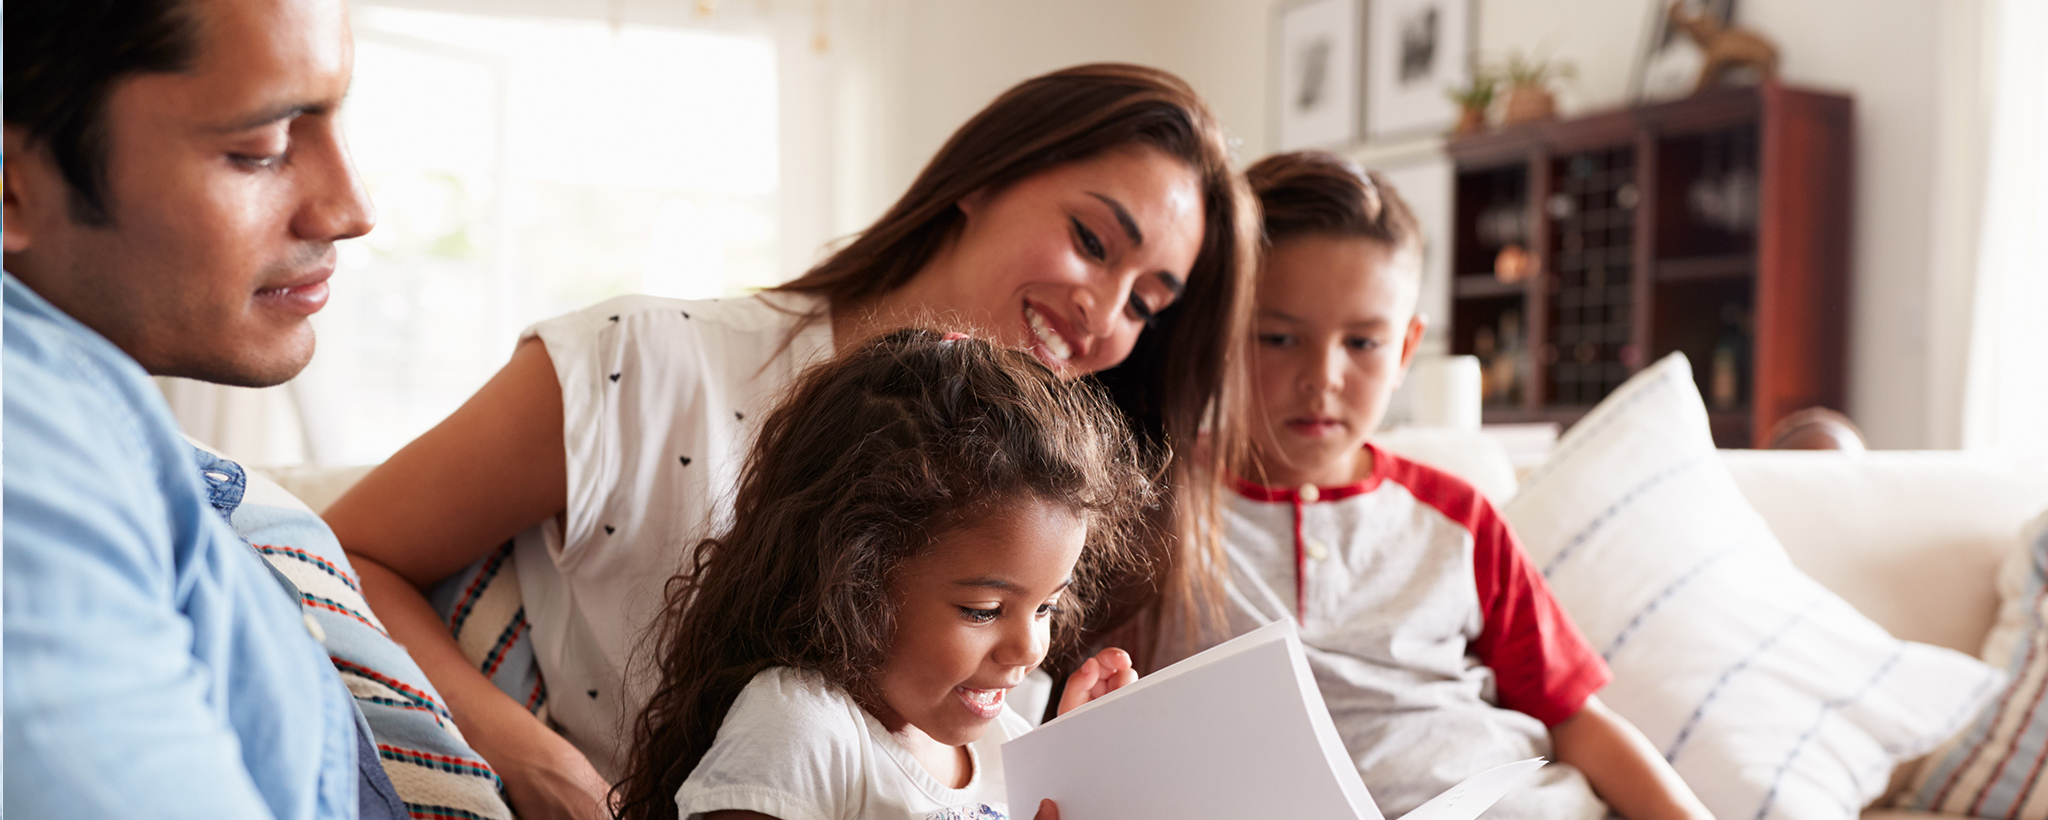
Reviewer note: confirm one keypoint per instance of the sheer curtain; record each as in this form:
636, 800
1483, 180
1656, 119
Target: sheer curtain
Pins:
531, 157
2006, 402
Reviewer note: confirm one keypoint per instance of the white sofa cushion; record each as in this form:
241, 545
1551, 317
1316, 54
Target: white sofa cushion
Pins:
1769, 694
1468, 454
1911, 539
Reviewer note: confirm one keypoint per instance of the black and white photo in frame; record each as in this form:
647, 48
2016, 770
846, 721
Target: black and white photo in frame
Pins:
1416, 50
1316, 74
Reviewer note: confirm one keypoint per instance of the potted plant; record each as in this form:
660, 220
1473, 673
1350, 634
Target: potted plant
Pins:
1473, 98
1529, 96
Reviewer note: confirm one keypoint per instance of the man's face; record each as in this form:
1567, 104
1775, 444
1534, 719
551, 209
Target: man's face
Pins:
227, 186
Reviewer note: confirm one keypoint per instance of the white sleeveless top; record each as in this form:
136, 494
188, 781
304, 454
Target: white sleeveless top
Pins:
661, 399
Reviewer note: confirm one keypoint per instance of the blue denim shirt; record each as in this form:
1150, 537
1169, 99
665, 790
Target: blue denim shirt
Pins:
153, 665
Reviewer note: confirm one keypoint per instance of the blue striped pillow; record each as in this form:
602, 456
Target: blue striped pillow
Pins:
1994, 768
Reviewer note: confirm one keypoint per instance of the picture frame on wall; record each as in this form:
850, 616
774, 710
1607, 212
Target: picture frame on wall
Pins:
1315, 74
1669, 62
1416, 50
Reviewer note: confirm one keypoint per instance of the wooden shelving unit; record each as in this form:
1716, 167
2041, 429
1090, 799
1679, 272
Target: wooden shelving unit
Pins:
1716, 225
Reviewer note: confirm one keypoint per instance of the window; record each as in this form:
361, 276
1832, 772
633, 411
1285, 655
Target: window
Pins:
522, 168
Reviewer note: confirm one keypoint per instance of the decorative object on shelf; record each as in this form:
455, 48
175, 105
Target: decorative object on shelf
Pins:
1727, 386
1730, 52
1316, 74
1529, 97
1727, 201
1473, 99
1414, 50
1505, 222
1513, 264
1668, 66
1500, 352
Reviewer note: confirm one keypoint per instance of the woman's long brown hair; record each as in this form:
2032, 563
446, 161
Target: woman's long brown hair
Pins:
1184, 377
869, 459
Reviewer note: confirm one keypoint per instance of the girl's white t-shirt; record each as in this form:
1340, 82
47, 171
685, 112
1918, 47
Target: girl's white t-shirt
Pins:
661, 399
796, 747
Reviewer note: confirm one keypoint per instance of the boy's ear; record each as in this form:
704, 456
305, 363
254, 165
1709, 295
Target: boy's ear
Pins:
1412, 340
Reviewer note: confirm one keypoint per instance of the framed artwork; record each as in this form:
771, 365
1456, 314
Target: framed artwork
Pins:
1415, 51
1668, 65
1315, 74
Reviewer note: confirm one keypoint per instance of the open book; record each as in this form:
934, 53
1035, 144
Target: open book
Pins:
1237, 731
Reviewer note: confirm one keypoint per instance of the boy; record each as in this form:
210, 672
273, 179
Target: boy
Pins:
1438, 648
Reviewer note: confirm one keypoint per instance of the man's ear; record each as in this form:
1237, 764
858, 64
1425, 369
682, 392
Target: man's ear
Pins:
15, 234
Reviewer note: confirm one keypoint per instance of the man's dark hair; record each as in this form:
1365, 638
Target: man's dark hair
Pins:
63, 58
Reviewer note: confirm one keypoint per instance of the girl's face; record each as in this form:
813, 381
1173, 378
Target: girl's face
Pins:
1070, 263
1334, 331
973, 617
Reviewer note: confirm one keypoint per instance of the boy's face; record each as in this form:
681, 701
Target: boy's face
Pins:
1334, 332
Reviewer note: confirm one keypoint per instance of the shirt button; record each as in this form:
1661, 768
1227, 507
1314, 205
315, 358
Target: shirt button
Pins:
1309, 494
1316, 550
313, 627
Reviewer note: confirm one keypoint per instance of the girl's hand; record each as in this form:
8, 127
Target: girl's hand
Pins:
1047, 810
1100, 675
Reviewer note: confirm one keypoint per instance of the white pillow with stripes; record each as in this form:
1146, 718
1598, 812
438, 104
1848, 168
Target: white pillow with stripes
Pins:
1771, 696
1995, 767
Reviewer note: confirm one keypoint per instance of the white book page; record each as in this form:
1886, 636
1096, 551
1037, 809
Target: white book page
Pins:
1227, 734
1237, 731
1478, 793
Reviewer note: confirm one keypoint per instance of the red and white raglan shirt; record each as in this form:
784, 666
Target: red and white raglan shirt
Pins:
1437, 646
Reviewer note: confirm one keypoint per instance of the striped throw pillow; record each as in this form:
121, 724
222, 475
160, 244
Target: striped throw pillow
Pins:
1768, 693
1995, 767
437, 775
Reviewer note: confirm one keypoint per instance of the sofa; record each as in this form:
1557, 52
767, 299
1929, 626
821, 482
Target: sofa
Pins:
1912, 540
1915, 542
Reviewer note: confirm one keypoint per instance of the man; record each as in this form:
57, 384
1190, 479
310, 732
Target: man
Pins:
175, 181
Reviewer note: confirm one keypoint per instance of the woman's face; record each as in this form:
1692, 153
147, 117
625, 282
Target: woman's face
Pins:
1071, 263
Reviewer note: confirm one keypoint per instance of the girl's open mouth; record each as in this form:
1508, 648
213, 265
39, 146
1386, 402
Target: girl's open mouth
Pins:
984, 703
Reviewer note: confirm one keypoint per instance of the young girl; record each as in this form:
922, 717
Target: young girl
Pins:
918, 523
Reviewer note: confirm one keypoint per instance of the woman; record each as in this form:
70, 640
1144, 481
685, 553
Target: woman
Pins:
1088, 215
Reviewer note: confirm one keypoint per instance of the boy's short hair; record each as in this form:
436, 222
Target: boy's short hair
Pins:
1319, 193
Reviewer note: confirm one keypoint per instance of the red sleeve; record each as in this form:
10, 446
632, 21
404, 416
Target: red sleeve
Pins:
1541, 663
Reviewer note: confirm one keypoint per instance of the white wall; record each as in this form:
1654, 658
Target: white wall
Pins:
1909, 64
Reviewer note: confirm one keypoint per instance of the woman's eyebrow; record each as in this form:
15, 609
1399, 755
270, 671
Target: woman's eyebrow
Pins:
1123, 217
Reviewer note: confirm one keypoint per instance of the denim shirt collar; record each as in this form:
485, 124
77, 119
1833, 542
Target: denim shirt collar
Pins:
225, 482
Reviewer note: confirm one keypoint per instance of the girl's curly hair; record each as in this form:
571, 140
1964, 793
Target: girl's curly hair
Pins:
872, 457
